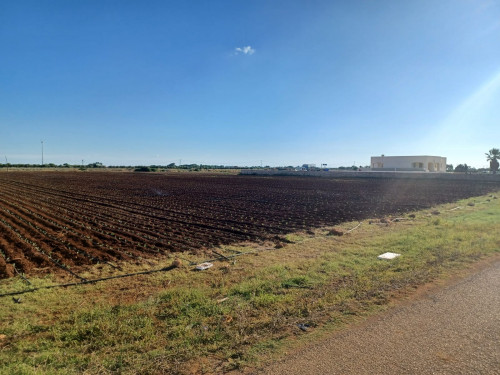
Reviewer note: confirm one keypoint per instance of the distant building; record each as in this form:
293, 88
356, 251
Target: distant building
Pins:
422, 163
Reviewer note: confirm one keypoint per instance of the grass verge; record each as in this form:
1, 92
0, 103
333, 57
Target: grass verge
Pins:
242, 310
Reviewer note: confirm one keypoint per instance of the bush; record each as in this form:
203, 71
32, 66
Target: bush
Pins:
463, 168
144, 169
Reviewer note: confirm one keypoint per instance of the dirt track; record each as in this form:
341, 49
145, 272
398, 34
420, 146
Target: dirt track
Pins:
454, 330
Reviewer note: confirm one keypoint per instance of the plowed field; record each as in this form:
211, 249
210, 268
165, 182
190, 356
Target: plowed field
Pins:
64, 221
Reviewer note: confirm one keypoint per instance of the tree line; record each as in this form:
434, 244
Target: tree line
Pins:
492, 156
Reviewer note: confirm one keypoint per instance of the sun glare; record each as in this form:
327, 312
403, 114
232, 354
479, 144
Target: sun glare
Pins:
474, 110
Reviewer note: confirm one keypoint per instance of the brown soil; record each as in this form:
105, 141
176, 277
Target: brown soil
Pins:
63, 222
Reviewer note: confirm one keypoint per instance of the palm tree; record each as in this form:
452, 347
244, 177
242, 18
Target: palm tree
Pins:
492, 156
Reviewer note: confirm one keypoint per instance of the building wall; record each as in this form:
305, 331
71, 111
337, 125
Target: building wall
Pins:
422, 163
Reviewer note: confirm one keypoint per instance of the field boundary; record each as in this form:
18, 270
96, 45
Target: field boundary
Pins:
374, 175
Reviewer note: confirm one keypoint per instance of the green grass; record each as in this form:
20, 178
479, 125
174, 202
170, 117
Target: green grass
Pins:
240, 312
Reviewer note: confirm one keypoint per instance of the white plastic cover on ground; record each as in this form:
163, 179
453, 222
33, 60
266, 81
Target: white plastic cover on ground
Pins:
204, 266
388, 256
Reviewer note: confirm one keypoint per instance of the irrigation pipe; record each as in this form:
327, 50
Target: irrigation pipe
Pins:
356, 227
164, 269
222, 257
92, 281
21, 275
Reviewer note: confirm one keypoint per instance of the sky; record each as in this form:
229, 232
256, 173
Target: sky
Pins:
257, 82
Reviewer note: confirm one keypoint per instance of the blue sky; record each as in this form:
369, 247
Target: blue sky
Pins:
240, 82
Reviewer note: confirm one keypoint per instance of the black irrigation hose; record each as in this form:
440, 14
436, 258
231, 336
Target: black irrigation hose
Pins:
87, 281
84, 282
21, 274
222, 257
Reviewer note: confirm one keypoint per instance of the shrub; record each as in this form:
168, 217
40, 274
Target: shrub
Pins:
144, 169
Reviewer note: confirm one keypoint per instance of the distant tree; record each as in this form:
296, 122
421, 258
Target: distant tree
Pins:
464, 168
143, 169
492, 156
95, 165
449, 167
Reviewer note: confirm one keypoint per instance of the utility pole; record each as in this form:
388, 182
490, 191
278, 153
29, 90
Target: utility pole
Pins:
42, 152
6, 163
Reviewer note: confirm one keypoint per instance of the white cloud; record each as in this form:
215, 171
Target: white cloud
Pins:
244, 50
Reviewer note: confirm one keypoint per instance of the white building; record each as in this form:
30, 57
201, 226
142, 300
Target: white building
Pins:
422, 163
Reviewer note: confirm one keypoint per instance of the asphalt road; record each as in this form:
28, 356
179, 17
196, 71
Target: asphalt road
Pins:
451, 330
